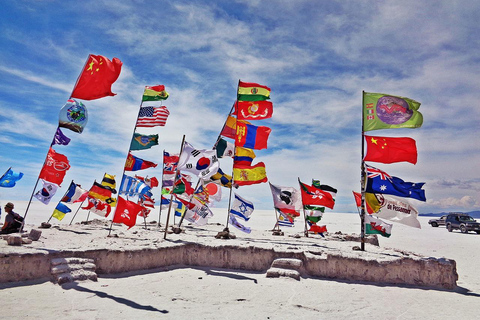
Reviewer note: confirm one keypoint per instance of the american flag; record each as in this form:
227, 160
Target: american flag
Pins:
152, 117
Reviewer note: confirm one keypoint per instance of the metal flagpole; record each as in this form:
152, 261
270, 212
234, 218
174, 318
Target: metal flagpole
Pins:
78, 210
362, 179
304, 214
161, 189
58, 204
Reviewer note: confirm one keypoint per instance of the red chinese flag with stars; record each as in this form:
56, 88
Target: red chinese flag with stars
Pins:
97, 78
390, 150
126, 212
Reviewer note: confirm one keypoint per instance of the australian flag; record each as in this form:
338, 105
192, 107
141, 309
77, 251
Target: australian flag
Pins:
379, 181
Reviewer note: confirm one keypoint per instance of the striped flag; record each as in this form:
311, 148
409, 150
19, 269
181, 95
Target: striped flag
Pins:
152, 116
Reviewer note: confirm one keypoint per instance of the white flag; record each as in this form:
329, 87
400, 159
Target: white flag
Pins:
396, 210
241, 208
202, 163
286, 197
238, 225
47, 192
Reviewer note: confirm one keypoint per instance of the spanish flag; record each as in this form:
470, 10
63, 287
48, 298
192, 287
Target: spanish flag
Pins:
244, 175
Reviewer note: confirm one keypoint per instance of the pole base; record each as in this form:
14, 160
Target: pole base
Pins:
278, 232
45, 225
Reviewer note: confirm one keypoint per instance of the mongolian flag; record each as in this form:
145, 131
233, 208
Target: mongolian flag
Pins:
230, 127
390, 150
134, 163
154, 93
313, 196
383, 111
249, 91
252, 137
73, 116
10, 178
97, 78
253, 110
55, 167
141, 142
127, 212
247, 175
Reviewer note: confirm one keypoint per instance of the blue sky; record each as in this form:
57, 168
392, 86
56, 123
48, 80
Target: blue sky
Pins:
316, 56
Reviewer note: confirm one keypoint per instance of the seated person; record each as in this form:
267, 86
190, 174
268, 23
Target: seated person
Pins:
13, 221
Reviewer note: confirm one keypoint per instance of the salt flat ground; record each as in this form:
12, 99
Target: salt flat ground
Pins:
210, 293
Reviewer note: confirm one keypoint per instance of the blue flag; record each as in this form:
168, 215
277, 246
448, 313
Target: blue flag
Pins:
241, 208
132, 186
9, 179
379, 181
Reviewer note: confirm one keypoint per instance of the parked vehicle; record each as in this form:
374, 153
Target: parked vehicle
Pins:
437, 222
463, 222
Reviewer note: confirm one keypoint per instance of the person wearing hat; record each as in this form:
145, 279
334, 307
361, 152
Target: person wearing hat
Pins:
13, 221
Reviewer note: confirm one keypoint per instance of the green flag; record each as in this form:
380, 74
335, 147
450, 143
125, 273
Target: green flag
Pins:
382, 111
141, 142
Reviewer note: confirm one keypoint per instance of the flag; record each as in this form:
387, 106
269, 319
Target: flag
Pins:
313, 218
109, 183
222, 178
224, 148
198, 213
233, 221
358, 201
249, 91
134, 163
75, 194
325, 187
379, 181
100, 192
253, 110
393, 209
10, 178
284, 219
214, 191
126, 212
247, 175
316, 228
377, 226
133, 187
154, 93
182, 185
151, 182
286, 198
242, 208
142, 142
180, 209
170, 162
97, 78
252, 137
390, 150
152, 116
230, 127
60, 211
60, 138
47, 192
55, 167
98, 207
147, 201
313, 196
243, 156
73, 116
382, 111
203, 163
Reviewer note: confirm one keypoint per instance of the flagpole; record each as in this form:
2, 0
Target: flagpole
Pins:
161, 189
362, 181
78, 210
58, 204
5, 173
171, 194
190, 200
304, 214
78, 78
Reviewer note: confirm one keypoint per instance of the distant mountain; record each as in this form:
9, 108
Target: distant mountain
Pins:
473, 214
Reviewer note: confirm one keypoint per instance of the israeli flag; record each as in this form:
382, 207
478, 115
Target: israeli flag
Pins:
241, 208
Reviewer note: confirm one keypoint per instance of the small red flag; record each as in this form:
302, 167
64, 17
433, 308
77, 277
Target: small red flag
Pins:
55, 167
253, 110
97, 78
316, 197
390, 150
126, 212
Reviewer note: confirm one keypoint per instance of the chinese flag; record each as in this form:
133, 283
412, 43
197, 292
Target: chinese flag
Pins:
126, 212
55, 167
390, 150
97, 78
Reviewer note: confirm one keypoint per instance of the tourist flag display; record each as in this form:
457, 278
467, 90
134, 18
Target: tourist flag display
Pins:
390, 150
249, 91
73, 116
134, 163
75, 194
253, 110
234, 222
312, 195
60, 138
55, 167
377, 226
10, 178
286, 198
241, 207
47, 192
244, 156
221, 178
98, 207
60, 211
393, 209
252, 137
224, 148
152, 117
154, 93
382, 111
127, 212
109, 183
142, 142
97, 78
381, 182
247, 175
202, 163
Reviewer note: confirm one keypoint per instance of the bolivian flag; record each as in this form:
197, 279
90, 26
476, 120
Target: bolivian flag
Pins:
249, 91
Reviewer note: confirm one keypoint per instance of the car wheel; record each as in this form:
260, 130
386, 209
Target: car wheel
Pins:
434, 224
449, 227
463, 229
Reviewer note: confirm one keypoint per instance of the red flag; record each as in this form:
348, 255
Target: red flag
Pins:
253, 110
317, 229
126, 212
316, 197
97, 78
358, 201
55, 167
252, 137
390, 150
134, 163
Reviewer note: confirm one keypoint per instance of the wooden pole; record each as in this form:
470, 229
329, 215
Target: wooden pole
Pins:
161, 189
304, 214
362, 181
58, 204
78, 210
